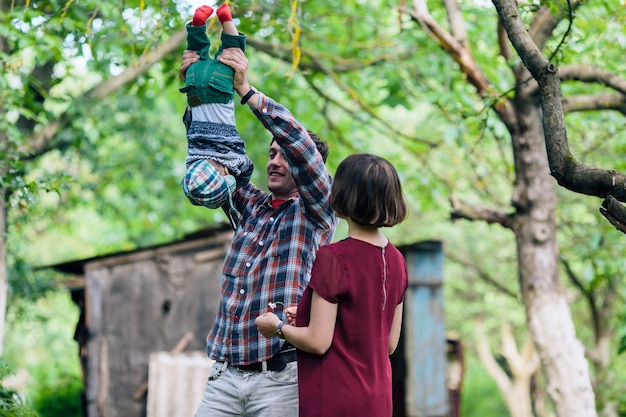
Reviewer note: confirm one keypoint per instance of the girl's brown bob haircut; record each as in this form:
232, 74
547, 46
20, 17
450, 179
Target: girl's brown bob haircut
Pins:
367, 189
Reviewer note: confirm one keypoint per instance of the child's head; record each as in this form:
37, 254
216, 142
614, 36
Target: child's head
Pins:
367, 189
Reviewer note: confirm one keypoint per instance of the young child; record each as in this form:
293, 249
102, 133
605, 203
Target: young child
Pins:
210, 116
348, 320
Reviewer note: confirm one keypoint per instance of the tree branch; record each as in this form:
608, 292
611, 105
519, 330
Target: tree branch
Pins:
40, 140
483, 275
486, 357
591, 74
564, 168
490, 215
614, 212
586, 102
468, 66
310, 61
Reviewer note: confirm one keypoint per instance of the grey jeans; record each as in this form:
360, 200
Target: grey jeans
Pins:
231, 392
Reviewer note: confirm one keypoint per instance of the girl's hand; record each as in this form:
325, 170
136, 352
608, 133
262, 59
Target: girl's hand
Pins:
290, 312
267, 323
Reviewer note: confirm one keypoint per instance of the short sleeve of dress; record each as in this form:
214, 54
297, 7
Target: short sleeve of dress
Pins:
405, 282
326, 275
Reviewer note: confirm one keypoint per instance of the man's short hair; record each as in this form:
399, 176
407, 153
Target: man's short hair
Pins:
366, 188
322, 146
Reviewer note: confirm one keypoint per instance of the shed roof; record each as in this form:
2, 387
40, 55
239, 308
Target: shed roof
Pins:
77, 267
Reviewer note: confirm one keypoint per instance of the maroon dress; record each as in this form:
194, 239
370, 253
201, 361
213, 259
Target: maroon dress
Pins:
353, 378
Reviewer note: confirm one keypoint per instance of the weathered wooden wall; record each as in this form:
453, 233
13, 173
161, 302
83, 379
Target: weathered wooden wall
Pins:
139, 303
176, 383
426, 392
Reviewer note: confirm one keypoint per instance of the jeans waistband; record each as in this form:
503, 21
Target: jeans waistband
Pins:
277, 362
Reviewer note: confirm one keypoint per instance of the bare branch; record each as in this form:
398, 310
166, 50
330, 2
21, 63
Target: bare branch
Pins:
456, 22
310, 60
522, 365
468, 66
545, 21
503, 42
591, 74
490, 215
486, 357
586, 102
614, 212
483, 275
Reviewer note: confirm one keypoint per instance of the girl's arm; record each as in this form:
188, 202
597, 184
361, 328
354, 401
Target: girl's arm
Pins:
316, 337
396, 325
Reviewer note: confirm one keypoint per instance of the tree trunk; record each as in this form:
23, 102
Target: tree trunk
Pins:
548, 314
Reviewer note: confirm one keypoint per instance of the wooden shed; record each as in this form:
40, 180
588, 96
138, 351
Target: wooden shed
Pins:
145, 314
133, 304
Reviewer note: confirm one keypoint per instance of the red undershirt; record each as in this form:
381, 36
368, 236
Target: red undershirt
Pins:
276, 203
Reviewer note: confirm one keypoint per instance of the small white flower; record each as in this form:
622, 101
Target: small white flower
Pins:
273, 305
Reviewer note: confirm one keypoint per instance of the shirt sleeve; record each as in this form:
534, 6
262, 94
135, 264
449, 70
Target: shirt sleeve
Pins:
204, 186
326, 276
306, 163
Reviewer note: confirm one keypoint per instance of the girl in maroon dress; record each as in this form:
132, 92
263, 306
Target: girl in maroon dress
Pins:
348, 320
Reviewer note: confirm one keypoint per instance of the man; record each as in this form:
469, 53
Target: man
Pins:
269, 258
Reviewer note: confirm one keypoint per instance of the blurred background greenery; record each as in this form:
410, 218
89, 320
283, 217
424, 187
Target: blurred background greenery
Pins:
365, 77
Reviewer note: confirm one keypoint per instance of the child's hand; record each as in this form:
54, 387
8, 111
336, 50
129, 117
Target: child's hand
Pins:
221, 169
267, 323
201, 15
290, 312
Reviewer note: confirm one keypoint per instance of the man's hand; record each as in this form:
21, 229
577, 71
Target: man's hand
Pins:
221, 169
266, 323
236, 59
189, 57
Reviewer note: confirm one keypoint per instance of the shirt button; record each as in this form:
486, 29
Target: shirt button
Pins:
248, 264
242, 291
271, 219
261, 243
264, 110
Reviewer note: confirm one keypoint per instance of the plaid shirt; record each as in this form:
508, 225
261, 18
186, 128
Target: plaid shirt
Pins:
271, 254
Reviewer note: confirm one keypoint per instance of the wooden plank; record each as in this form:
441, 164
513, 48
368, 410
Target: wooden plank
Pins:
424, 333
176, 383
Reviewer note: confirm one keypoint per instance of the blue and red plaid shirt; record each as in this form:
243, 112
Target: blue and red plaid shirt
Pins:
271, 254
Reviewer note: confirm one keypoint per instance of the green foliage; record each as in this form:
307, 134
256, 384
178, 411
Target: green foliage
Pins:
11, 403
480, 396
58, 396
108, 180
39, 341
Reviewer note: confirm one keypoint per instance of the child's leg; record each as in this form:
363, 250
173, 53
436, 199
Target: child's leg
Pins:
226, 19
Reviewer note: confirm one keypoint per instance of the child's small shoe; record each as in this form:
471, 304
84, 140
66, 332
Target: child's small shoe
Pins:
201, 15
223, 13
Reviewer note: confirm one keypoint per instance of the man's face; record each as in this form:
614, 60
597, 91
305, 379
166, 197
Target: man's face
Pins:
279, 179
